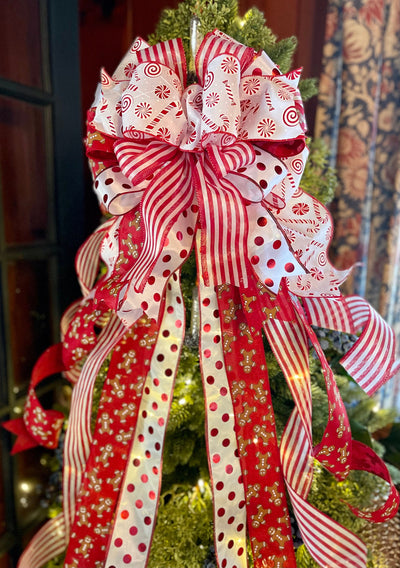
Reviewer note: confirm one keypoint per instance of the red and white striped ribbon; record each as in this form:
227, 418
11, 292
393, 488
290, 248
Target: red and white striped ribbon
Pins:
88, 258
290, 346
79, 437
224, 229
164, 200
223, 211
138, 161
73, 373
170, 53
329, 543
330, 313
371, 360
230, 158
48, 542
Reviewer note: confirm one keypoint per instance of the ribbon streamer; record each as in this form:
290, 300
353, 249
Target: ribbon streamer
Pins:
213, 167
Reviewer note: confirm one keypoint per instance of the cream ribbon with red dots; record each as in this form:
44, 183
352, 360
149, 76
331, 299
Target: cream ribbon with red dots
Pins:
223, 457
136, 512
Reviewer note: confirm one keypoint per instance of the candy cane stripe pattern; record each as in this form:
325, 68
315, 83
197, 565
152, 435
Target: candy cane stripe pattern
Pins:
213, 168
371, 360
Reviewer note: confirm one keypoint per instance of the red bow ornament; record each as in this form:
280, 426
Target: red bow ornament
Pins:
216, 167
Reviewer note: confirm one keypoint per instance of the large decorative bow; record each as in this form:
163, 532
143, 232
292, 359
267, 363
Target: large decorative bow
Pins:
223, 155
216, 167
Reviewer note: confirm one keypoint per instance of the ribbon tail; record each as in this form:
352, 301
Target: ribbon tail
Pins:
137, 508
267, 513
78, 436
365, 459
48, 542
289, 344
116, 421
328, 542
24, 440
224, 465
224, 229
334, 450
371, 360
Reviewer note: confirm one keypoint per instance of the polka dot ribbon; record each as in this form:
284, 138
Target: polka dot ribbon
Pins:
106, 464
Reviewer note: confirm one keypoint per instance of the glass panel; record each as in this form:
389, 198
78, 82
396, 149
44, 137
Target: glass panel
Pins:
2, 502
5, 561
30, 488
21, 57
23, 179
30, 322
3, 372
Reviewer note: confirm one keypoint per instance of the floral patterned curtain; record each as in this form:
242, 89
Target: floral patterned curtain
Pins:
359, 117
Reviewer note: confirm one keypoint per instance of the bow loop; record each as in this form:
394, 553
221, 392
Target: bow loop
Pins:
159, 115
169, 53
121, 108
128, 63
99, 148
139, 162
230, 158
217, 43
165, 199
271, 112
38, 425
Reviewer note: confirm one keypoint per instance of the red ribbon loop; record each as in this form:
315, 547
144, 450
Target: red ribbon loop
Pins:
39, 426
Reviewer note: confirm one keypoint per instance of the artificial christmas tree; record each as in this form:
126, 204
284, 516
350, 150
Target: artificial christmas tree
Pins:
208, 172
